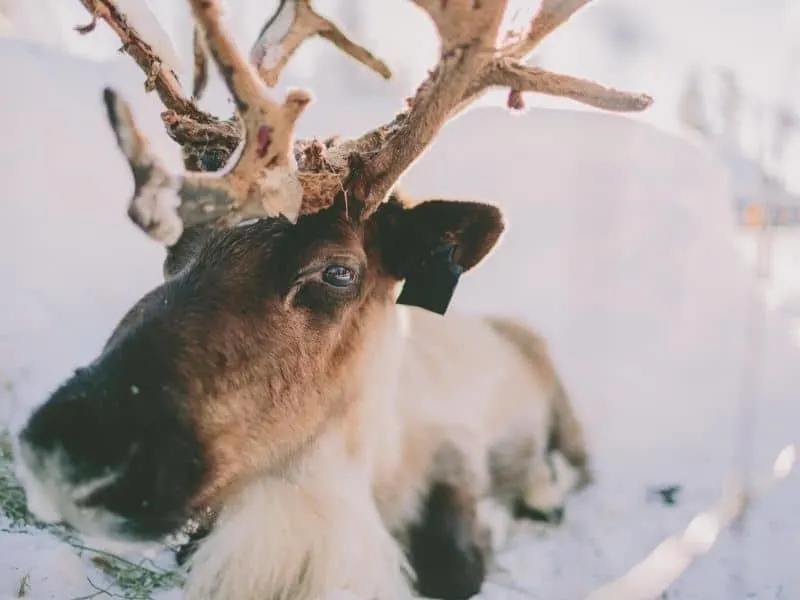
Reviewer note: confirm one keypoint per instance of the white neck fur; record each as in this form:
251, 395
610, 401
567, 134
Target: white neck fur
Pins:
319, 531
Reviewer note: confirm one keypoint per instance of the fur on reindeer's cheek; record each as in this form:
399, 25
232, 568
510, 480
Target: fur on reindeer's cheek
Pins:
324, 302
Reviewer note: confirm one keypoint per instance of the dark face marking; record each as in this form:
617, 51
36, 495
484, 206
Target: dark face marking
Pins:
115, 422
235, 363
445, 548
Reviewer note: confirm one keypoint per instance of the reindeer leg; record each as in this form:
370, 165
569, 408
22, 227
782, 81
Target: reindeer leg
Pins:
542, 498
525, 477
555, 469
450, 545
447, 548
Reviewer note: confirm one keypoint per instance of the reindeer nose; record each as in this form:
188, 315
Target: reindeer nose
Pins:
27, 468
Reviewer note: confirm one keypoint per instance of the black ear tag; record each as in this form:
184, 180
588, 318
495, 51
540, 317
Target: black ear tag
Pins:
432, 283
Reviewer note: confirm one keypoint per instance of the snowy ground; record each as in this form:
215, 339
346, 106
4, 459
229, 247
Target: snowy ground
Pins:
621, 249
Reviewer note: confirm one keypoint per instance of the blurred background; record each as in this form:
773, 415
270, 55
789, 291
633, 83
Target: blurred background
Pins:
636, 243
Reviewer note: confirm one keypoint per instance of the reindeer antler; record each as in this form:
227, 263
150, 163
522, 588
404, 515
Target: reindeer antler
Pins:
203, 137
470, 64
263, 181
294, 22
266, 181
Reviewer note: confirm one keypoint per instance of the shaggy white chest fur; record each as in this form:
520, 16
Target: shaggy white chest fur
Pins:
301, 539
319, 531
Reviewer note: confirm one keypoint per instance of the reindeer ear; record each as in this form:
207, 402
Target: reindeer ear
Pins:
469, 229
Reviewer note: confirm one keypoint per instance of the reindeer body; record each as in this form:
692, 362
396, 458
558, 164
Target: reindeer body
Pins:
465, 387
456, 410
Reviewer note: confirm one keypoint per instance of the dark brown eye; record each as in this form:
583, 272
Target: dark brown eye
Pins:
339, 276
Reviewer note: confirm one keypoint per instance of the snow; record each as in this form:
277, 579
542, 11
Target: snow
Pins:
52, 568
621, 249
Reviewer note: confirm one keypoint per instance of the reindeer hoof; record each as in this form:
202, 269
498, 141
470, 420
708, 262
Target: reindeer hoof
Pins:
554, 516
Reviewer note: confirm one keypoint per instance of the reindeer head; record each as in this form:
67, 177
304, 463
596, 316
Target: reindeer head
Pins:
281, 272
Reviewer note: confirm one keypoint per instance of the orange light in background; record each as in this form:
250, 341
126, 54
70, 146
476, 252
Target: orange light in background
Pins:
754, 216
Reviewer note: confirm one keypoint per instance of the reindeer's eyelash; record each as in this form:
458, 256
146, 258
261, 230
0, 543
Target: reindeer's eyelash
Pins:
316, 269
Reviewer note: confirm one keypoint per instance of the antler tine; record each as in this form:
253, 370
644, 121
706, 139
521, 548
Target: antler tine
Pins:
551, 15
159, 77
200, 63
467, 31
470, 64
269, 126
521, 78
206, 142
263, 181
162, 203
292, 23
508, 72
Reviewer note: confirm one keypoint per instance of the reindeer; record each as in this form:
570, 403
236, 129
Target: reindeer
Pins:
345, 441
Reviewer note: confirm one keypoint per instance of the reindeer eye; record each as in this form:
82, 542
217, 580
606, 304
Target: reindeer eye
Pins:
339, 276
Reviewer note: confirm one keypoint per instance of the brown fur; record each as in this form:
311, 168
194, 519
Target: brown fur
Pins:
307, 382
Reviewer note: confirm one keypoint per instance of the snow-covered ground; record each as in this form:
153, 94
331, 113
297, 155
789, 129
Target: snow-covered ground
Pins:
621, 249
